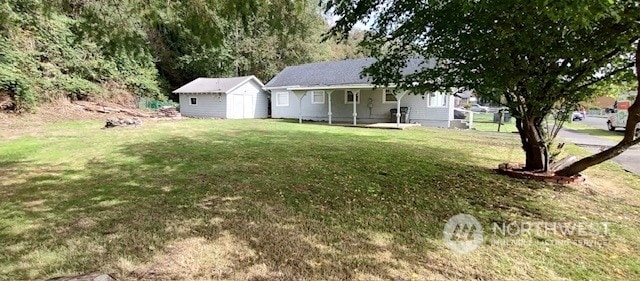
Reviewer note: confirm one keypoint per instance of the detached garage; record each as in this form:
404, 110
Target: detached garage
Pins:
232, 98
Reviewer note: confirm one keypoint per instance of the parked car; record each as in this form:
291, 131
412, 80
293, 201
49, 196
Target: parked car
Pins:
479, 108
577, 116
459, 114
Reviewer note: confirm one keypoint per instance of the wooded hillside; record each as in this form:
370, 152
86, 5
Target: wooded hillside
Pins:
115, 50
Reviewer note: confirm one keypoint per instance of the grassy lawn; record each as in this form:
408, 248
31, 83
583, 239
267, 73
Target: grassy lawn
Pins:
484, 122
599, 132
269, 199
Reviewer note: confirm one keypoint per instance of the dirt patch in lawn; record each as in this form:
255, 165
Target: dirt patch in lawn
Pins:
15, 125
199, 258
63, 109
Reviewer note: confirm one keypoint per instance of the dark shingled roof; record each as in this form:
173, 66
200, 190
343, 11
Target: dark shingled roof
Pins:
342, 72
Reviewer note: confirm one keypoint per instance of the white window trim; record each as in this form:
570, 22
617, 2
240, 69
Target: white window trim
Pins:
445, 98
278, 101
356, 94
313, 95
194, 104
384, 96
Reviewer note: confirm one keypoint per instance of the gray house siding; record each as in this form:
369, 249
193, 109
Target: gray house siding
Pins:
247, 101
288, 111
208, 105
420, 112
432, 116
262, 103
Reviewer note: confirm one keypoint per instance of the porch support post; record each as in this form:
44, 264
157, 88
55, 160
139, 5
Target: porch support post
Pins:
356, 97
398, 113
300, 95
329, 92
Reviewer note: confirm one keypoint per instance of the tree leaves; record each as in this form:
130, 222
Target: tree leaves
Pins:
531, 56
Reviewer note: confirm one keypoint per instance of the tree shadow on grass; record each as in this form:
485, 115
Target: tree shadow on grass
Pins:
252, 204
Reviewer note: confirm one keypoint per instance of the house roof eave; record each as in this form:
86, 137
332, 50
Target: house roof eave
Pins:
327, 87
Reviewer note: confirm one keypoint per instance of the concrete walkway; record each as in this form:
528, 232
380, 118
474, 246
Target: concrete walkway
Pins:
371, 125
391, 125
629, 160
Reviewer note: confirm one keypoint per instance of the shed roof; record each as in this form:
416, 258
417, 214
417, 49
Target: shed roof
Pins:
215, 85
344, 72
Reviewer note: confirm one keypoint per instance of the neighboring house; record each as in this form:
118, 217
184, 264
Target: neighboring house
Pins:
605, 102
465, 97
232, 98
336, 92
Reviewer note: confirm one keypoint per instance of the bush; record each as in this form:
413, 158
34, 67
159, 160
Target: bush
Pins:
18, 88
78, 88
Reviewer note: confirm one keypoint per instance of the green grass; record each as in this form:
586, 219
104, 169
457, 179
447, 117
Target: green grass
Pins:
268, 199
484, 122
582, 128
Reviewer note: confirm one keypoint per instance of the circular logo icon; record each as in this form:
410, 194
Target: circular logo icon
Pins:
462, 233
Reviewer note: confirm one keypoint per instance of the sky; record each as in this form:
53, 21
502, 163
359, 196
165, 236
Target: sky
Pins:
331, 19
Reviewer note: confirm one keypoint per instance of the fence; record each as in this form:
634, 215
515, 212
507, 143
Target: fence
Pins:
147, 103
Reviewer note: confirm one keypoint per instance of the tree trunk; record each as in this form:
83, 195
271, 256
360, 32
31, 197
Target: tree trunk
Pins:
537, 156
624, 144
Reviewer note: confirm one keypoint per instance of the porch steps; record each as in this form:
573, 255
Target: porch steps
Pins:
458, 124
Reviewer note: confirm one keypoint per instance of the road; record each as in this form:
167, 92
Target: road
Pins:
629, 160
596, 122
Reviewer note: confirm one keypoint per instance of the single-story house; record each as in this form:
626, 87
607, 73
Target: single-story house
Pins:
336, 92
232, 98
465, 97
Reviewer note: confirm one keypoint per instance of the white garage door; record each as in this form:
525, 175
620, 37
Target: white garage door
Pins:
242, 106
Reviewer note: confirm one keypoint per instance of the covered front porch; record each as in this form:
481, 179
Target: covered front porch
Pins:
364, 105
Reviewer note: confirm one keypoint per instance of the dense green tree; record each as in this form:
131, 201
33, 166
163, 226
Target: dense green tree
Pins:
42, 57
192, 38
80, 49
533, 56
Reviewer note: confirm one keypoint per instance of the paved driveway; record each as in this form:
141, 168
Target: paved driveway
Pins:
629, 160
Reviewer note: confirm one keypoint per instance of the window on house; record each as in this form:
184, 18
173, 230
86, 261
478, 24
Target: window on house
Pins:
317, 97
193, 101
388, 96
282, 99
437, 99
349, 97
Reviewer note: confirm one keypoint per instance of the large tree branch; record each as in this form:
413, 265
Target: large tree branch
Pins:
589, 67
605, 77
624, 144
